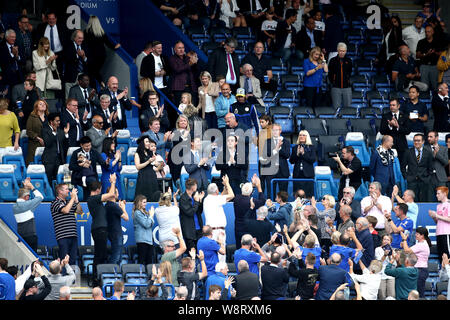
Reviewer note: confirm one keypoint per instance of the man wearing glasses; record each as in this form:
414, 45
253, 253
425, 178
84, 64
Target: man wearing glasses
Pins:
224, 61
348, 195
97, 134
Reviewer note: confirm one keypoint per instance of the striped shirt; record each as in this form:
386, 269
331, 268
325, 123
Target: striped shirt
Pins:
65, 224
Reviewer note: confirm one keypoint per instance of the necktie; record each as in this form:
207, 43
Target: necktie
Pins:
197, 158
16, 67
230, 66
80, 62
78, 126
119, 113
86, 97
52, 41
418, 155
246, 87
155, 110
107, 115
395, 116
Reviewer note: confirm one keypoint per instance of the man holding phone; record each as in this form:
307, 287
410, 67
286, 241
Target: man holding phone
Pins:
248, 244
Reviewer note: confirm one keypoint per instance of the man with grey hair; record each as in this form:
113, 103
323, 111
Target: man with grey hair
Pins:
408, 198
171, 253
57, 280
261, 228
218, 279
224, 61
64, 293
405, 275
11, 60
376, 204
248, 243
339, 73
345, 213
75, 59
348, 198
104, 112
23, 213
246, 282
251, 85
213, 248
331, 277
365, 238
181, 293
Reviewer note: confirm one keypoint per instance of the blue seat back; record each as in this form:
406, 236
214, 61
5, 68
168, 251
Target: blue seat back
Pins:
356, 140
128, 178
36, 172
8, 183
324, 182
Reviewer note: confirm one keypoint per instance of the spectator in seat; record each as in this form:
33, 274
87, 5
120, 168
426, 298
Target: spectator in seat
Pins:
303, 156
416, 110
440, 160
314, 68
376, 204
308, 37
285, 35
268, 28
174, 10
251, 85
225, 61
230, 14
428, 52
201, 13
339, 73
350, 166
391, 41
405, 72
18, 91
440, 216
441, 107
413, 33
207, 95
57, 280
382, 165
253, 11
405, 275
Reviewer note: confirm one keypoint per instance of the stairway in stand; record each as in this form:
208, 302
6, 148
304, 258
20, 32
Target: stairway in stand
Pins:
405, 9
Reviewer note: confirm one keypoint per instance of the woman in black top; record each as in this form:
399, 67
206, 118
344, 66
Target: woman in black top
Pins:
147, 183
303, 156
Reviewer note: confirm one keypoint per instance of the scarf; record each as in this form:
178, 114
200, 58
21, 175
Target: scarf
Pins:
387, 156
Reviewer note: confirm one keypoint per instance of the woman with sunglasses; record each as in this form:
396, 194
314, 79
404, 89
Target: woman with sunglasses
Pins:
326, 219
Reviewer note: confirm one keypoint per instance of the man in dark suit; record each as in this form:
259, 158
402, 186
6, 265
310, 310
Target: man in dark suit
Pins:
11, 60
55, 143
87, 97
78, 123
274, 279
75, 59
396, 124
330, 277
197, 165
441, 109
440, 161
417, 169
25, 42
224, 61
104, 111
85, 171
119, 102
308, 37
246, 283
191, 208
154, 110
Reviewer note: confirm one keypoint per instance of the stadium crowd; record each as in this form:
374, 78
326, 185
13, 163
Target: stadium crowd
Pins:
342, 248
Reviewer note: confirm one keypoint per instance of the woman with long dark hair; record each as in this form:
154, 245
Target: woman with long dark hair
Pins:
422, 250
147, 183
113, 164
303, 156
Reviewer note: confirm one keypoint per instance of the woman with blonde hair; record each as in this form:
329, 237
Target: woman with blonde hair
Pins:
303, 156
314, 68
35, 122
181, 134
207, 94
168, 216
143, 233
186, 100
9, 125
145, 88
44, 64
326, 218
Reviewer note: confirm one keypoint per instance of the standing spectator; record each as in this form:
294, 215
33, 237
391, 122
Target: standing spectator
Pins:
268, 28
413, 33
97, 134
285, 35
303, 8
417, 169
376, 204
408, 198
405, 275
307, 275
57, 280
382, 165
11, 60
397, 125
64, 293
415, 110
382, 253
187, 275
344, 250
303, 156
308, 38
95, 41
442, 65
340, 71
7, 281
392, 40
145, 88
369, 280
314, 68
207, 95
55, 143
440, 216
154, 110
35, 123
64, 222
155, 66
351, 168
148, 48
146, 183
86, 96
24, 41
326, 218
191, 208
365, 238
30, 288
251, 85
428, 52
348, 198
252, 258
200, 13
23, 211
116, 210
180, 143
104, 113
422, 250
172, 255
345, 213
197, 164
212, 246
441, 107
222, 105
75, 57
282, 216
403, 224
143, 230
218, 279
31, 96
440, 160
274, 279
230, 14
261, 228
405, 71
445, 271
330, 277
168, 216
225, 61
113, 164
77, 124
333, 32
246, 282
18, 91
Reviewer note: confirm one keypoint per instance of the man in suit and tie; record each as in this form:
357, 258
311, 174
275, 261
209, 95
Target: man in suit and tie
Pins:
417, 169
55, 143
382, 165
440, 160
251, 85
119, 102
97, 134
274, 279
396, 124
85, 171
104, 111
331, 277
224, 61
274, 163
191, 208
87, 97
156, 111
197, 165
78, 124
75, 59
11, 60
162, 140
441, 109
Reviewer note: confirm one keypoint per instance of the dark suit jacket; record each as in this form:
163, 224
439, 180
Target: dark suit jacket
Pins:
77, 92
95, 158
196, 172
67, 118
281, 33
148, 67
441, 112
50, 154
8, 65
125, 104
241, 206
366, 239
274, 282
399, 136
164, 122
331, 277
218, 65
234, 171
283, 156
187, 212
246, 285
303, 41
305, 160
71, 61
421, 171
63, 33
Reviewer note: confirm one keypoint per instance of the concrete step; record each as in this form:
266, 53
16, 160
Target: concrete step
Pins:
81, 293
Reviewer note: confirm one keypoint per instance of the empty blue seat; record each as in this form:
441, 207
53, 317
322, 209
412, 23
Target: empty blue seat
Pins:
38, 177
287, 125
8, 183
16, 158
134, 273
128, 179
38, 155
123, 142
362, 191
324, 182
130, 155
356, 140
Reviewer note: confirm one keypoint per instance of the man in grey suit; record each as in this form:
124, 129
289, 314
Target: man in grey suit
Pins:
18, 92
440, 160
251, 85
87, 97
97, 135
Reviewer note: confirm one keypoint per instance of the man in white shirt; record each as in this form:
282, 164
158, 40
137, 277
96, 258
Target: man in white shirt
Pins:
213, 210
375, 204
138, 61
412, 34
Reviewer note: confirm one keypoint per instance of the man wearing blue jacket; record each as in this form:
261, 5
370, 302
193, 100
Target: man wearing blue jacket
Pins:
282, 216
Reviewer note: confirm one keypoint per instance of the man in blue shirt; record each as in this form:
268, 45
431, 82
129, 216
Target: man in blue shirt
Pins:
252, 258
403, 224
415, 110
210, 249
222, 105
218, 279
7, 282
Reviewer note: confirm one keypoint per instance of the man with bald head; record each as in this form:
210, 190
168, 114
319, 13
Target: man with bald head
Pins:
97, 294
119, 102
97, 134
345, 213
75, 59
365, 238
331, 277
222, 106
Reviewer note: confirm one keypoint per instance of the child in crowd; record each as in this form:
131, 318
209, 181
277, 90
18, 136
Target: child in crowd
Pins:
186, 100
268, 28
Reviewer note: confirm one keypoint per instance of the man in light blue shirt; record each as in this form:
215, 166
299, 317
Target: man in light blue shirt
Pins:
222, 105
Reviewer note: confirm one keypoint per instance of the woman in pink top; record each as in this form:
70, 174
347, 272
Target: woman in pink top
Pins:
442, 219
422, 250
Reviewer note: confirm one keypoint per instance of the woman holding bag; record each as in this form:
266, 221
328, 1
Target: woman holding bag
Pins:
44, 64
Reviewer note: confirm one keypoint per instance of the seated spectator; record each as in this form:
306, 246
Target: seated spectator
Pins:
405, 275
340, 71
314, 67
413, 33
18, 91
188, 277
174, 10
57, 280
268, 28
320, 25
230, 14
382, 253
405, 72
392, 40
308, 38
376, 204
285, 35
251, 85
274, 279
326, 219
369, 280
246, 282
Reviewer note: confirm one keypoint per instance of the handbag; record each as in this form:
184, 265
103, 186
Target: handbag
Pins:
52, 83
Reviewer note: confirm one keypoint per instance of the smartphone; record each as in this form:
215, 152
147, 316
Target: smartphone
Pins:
358, 257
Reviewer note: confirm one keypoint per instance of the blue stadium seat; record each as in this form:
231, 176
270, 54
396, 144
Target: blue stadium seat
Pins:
398, 174
38, 155
87, 258
430, 291
128, 179
123, 142
442, 287
286, 122
108, 274
36, 173
410, 138
8, 183
356, 140
16, 158
130, 155
134, 273
362, 191
324, 182
69, 153
441, 138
